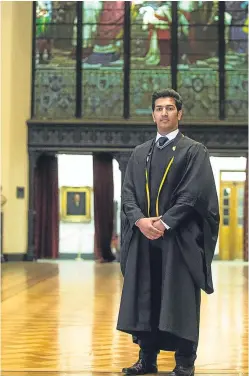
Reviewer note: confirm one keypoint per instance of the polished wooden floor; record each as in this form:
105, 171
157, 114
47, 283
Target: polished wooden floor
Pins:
59, 319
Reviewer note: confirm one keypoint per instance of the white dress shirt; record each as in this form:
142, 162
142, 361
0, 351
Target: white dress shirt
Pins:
170, 135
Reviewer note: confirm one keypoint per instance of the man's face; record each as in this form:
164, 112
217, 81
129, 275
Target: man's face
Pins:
76, 198
165, 115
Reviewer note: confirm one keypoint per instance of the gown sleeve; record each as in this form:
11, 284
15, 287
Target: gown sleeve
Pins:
196, 190
129, 200
195, 200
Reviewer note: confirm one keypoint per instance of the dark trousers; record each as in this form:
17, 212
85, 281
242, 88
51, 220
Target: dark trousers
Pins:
185, 354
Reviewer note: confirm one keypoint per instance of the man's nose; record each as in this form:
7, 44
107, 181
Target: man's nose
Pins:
165, 112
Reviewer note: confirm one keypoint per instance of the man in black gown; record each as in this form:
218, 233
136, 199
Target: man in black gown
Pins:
170, 220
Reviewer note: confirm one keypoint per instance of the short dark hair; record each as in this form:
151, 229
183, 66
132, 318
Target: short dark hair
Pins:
164, 93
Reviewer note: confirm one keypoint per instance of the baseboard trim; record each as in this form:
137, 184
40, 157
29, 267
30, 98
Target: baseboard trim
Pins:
73, 256
14, 257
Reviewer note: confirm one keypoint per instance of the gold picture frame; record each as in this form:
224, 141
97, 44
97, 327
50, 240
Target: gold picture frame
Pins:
76, 204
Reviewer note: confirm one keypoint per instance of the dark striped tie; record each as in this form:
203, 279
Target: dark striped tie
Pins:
162, 141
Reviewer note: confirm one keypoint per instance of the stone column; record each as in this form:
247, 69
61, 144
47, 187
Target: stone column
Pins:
33, 158
246, 215
122, 158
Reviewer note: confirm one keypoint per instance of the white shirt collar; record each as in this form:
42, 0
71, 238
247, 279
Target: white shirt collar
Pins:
170, 135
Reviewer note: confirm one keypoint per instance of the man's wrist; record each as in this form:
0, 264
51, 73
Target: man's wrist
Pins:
136, 223
165, 225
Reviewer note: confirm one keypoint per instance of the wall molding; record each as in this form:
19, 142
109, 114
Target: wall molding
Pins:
116, 137
17, 257
14, 257
73, 256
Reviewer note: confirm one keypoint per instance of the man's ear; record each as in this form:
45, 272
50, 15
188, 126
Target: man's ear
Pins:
153, 117
179, 115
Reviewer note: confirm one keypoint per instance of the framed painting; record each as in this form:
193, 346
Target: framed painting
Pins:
76, 204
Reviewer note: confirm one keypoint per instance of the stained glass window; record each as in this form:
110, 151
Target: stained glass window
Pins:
55, 67
150, 53
103, 60
94, 82
198, 58
236, 36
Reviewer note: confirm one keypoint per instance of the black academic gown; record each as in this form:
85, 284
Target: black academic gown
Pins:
188, 204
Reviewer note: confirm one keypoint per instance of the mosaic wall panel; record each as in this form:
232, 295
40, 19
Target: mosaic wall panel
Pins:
102, 93
143, 83
236, 95
55, 91
199, 89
